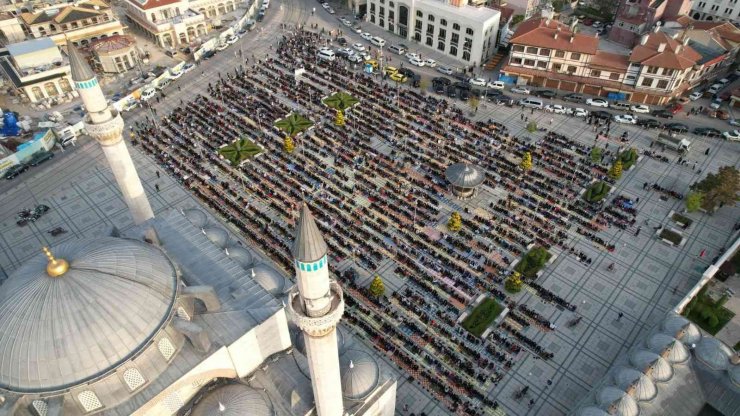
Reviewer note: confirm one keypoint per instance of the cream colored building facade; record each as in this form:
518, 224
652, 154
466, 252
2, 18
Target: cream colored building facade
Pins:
81, 22
116, 54
37, 69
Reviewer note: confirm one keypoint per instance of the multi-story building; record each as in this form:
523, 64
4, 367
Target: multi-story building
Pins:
173, 22
551, 54
36, 69
637, 17
526, 8
716, 10
116, 54
456, 29
81, 22
11, 29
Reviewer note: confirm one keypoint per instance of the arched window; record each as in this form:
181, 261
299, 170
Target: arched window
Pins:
51, 89
64, 85
40, 407
89, 401
133, 379
166, 348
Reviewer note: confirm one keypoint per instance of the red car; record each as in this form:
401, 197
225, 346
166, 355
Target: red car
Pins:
588, 22
675, 108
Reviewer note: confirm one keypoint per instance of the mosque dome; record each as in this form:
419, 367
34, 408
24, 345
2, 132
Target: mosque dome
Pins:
464, 175
217, 235
652, 365
682, 329
99, 311
196, 217
241, 255
668, 347
360, 374
735, 374
592, 411
713, 353
270, 279
636, 383
233, 400
617, 403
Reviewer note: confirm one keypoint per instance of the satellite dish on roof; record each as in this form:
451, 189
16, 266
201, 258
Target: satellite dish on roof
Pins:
51, 12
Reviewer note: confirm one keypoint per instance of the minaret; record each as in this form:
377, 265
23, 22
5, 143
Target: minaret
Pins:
105, 125
316, 306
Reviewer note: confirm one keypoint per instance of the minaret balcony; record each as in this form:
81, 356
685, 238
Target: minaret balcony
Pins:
320, 325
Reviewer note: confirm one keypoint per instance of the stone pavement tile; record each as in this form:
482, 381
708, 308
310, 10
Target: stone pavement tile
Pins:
13, 233
586, 367
546, 408
570, 269
23, 249
74, 207
620, 329
588, 307
651, 268
628, 304
603, 346
557, 344
567, 391
639, 285
598, 287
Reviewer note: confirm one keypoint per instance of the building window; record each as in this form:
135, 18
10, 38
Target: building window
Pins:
391, 4
468, 43
557, 67
430, 30
430, 18
173, 402
532, 50
382, 11
419, 13
166, 348
441, 46
40, 408
391, 15
545, 52
89, 401
652, 70
466, 56
372, 18
417, 25
529, 62
133, 379
455, 26
372, 7
560, 54
430, 41
669, 72
453, 50
417, 36
542, 64
381, 22
575, 56
595, 73
516, 61
469, 31
614, 76
456, 38
663, 83
443, 22
516, 48
442, 34
647, 82
571, 69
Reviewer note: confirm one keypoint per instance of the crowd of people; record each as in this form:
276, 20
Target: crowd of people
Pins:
377, 188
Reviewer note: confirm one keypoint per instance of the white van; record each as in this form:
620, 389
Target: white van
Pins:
148, 93
326, 55
532, 103
397, 49
379, 42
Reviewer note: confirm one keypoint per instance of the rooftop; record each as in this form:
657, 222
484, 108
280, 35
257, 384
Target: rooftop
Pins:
550, 33
30, 46
462, 14
675, 55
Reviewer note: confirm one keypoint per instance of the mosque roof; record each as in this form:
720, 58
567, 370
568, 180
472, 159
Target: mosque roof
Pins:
668, 347
682, 329
636, 383
233, 400
618, 403
270, 279
217, 235
653, 365
464, 175
360, 374
241, 255
308, 246
58, 332
713, 353
197, 217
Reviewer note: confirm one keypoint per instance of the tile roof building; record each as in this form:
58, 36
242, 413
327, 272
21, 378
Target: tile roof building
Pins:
716, 11
80, 22
37, 69
635, 18
551, 54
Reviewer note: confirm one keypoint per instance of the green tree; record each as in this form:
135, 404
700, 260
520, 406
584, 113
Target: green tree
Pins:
532, 127
517, 19
339, 119
596, 155
693, 201
719, 188
616, 170
473, 102
377, 287
514, 283
288, 145
526, 163
558, 5
455, 222
423, 85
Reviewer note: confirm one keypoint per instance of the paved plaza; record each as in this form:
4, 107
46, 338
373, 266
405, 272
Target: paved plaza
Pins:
648, 278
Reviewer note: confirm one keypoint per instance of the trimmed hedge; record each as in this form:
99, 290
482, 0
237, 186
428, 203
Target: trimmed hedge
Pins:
532, 262
628, 158
482, 316
596, 192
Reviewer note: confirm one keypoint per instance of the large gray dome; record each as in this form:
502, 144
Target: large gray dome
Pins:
635, 383
196, 217
217, 235
464, 175
618, 403
713, 353
653, 365
57, 332
682, 329
241, 255
592, 411
360, 374
233, 400
270, 279
668, 347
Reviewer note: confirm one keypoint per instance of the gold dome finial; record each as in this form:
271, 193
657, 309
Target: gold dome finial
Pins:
56, 267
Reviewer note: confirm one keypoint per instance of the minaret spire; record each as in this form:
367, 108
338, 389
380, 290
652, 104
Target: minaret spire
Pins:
105, 125
316, 305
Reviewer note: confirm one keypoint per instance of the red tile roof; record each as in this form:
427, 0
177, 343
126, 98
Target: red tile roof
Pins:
674, 56
541, 32
151, 4
610, 60
506, 12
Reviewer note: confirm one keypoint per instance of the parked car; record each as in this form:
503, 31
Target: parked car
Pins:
733, 135
452, 91
723, 115
480, 82
445, 70
545, 93
342, 42
187, 67
390, 70
650, 123
598, 102
148, 93
358, 47
696, 95
578, 112
520, 90
15, 170
431, 63
716, 103
620, 105
625, 118
398, 77
707, 131
40, 157
416, 62
502, 99
573, 97
496, 85
640, 109
677, 127
366, 36
662, 113
411, 55
556, 108
675, 108
231, 39
602, 114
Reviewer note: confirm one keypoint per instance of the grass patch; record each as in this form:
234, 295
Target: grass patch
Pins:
293, 124
340, 101
593, 13
709, 314
681, 219
597, 191
482, 317
671, 236
532, 262
239, 151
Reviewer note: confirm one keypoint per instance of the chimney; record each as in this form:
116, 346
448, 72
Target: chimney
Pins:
661, 46
686, 41
547, 22
656, 29
644, 39
572, 37
555, 36
678, 48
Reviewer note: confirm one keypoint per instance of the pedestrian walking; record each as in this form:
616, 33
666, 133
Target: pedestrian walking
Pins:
521, 116
706, 152
156, 186
637, 232
531, 110
619, 316
551, 120
157, 174
703, 253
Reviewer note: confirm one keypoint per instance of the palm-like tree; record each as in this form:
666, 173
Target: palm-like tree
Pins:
293, 124
340, 101
239, 151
